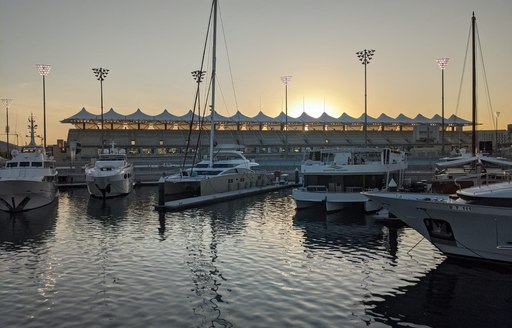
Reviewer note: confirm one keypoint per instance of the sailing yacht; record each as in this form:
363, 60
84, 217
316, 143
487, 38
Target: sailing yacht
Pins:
29, 179
475, 223
467, 170
225, 174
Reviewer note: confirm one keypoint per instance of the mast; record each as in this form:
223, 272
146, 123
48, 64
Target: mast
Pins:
214, 72
473, 135
32, 128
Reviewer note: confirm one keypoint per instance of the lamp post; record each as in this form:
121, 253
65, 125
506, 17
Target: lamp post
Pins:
286, 79
43, 70
497, 115
365, 56
101, 74
198, 76
442, 62
7, 103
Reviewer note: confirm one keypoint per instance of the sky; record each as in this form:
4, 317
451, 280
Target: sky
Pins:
151, 46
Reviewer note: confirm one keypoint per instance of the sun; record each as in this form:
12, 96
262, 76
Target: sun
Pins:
314, 108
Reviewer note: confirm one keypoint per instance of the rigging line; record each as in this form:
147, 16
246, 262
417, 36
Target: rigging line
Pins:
486, 84
196, 99
229, 61
457, 106
422, 238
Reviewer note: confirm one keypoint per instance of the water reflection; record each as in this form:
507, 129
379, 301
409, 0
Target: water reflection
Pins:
458, 293
348, 228
27, 227
110, 208
207, 228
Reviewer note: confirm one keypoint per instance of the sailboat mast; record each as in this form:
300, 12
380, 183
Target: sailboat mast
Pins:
473, 135
214, 72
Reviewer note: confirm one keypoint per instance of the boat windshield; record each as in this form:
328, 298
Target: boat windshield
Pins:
111, 158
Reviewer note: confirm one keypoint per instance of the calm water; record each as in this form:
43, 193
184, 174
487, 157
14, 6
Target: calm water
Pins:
248, 263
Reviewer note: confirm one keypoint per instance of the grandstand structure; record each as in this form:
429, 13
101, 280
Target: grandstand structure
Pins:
165, 133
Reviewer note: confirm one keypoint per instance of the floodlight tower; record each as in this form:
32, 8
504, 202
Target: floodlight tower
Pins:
7, 103
286, 79
365, 56
497, 116
442, 62
101, 74
43, 70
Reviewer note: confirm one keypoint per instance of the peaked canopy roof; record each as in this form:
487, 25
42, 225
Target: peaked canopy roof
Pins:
84, 116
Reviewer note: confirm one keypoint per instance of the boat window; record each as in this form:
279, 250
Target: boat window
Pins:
316, 188
13, 164
224, 165
24, 164
207, 172
37, 164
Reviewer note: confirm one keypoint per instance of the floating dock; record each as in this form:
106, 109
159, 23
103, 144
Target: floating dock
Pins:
181, 204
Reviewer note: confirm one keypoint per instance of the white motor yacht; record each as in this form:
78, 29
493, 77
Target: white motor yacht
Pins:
111, 175
29, 179
476, 224
334, 178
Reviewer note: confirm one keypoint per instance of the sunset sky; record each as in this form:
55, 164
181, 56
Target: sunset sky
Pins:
152, 46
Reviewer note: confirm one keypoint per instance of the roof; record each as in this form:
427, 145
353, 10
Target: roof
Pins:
139, 116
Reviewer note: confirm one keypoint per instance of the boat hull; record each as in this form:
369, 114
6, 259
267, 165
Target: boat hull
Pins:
332, 201
20, 195
455, 228
176, 192
110, 186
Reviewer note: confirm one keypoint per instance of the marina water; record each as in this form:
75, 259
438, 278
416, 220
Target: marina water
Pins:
254, 262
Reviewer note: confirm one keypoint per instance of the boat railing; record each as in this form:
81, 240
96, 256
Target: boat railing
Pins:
507, 174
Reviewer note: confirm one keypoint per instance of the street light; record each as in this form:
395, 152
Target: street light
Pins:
101, 74
7, 103
43, 70
286, 79
497, 115
442, 62
365, 56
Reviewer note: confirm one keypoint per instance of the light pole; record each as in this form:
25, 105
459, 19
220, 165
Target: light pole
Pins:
365, 56
286, 79
101, 74
442, 62
43, 70
497, 115
7, 103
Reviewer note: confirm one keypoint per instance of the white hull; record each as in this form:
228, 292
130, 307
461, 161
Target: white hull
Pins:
106, 186
455, 227
19, 195
332, 201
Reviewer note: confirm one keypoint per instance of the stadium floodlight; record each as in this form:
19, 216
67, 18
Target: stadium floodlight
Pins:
7, 103
198, 75
365, 56
442, 62
43, 70
101, 74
